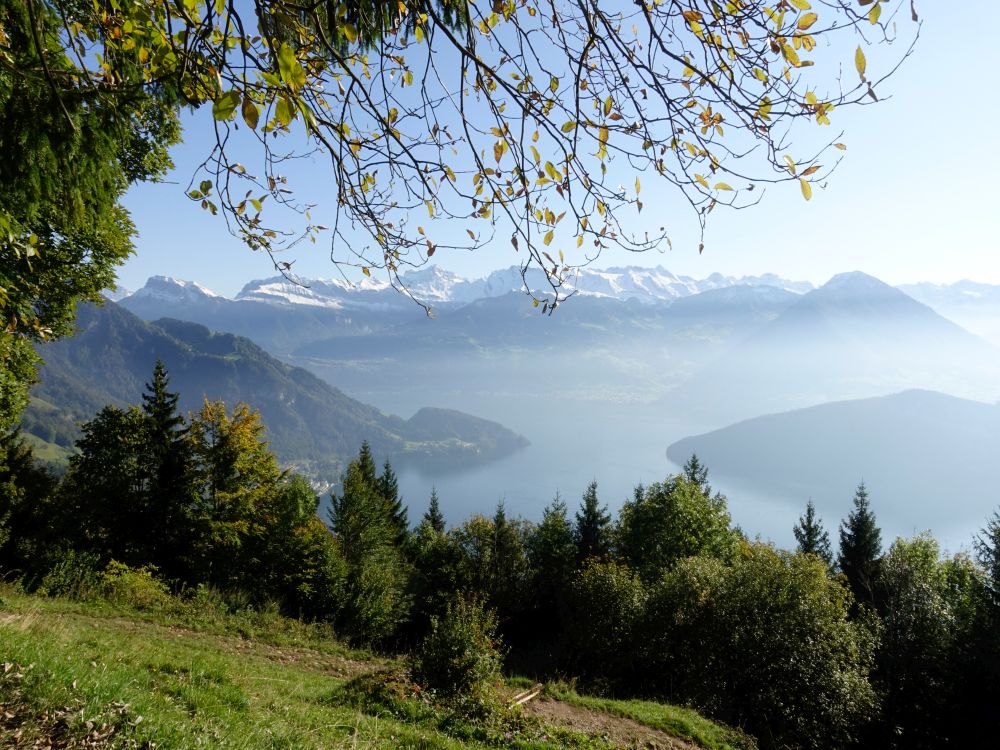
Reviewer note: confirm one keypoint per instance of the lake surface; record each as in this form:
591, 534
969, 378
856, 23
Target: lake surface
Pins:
620, 442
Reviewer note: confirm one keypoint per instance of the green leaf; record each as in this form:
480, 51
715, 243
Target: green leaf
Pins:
285, 111
291, 70
225, 105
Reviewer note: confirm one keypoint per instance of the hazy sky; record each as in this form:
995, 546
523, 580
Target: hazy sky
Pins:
914, 199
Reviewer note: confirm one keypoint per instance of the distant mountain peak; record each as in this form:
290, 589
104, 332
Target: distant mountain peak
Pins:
855, 280
169, 288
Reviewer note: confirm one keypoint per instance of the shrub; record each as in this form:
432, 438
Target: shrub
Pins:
134, 587
764, 644
607, 601
71, 574
459, 660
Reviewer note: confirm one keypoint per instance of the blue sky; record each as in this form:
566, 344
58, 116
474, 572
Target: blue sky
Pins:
915, 198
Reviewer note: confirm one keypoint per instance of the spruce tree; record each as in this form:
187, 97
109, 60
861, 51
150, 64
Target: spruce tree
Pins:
434, 516
593, 527
552, 554
387, 486
860, 548
812, 538
697, 472
376, 572
366, 465
169, 486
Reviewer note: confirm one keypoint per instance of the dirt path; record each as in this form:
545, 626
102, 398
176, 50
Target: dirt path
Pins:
622, 732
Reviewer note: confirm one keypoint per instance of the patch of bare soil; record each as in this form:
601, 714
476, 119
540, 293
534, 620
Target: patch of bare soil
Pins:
619, 731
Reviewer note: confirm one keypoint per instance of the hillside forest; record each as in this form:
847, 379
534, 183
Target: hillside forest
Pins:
874, 644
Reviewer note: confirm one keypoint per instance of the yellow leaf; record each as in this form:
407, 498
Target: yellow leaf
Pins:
801, 4
349, 32
722, 186
607, 106
702, 181
806, 21
568, 126
430, 208
875, 13
841, 146
548, 237
637, 186
859, 62
807, 191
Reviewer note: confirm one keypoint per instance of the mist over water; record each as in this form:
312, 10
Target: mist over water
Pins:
603, 388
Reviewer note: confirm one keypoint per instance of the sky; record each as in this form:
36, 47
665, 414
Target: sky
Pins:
914, 199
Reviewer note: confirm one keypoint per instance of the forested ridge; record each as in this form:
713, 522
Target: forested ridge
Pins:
862, 643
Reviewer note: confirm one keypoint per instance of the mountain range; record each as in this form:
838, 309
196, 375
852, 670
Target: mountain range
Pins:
852, 337
310, 423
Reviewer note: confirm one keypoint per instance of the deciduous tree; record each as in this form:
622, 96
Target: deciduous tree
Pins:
527, 121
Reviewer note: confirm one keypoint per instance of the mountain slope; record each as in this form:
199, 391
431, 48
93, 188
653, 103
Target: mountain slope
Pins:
309, 422
853, 337
972, 305
929, 459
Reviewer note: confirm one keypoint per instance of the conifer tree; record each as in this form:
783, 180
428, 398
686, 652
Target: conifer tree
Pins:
387, 486
593, 527
552, 554
169, 490
860, 548
376, 572
697, 472
434, 516
812, 538
366, 465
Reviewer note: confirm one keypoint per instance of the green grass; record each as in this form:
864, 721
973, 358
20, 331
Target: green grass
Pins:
191, 675
677, 720
192, 690
48, 452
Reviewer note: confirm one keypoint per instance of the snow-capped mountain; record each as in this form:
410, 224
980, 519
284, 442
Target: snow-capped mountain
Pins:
438, 287
167, 289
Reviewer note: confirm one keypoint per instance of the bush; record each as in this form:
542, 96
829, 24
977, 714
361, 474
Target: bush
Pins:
71, 574
764, 644
459, 660
134, 587
607, 602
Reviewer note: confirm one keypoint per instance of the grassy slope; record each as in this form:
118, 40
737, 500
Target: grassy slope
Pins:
169, 681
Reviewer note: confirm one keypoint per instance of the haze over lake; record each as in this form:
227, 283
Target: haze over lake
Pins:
637, 362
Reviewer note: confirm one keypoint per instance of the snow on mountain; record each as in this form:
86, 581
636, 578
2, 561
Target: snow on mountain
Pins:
116, 293
167, 289
438, 287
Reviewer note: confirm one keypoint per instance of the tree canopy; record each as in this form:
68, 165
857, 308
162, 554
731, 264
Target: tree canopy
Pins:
526, 121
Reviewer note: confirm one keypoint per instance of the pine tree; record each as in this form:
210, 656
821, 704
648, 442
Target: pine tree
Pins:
552, 554
366, 465
812, 538
376, 572
170, 490
593, 527
697, 472
434, 516
387, 486
860, 548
